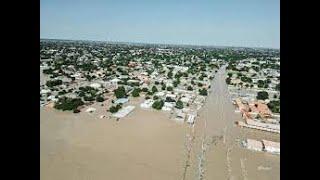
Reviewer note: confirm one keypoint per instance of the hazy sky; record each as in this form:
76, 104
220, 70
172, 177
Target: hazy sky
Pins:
252, 23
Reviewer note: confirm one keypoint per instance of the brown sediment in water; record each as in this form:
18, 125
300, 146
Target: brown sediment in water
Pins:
143, 145
225, 158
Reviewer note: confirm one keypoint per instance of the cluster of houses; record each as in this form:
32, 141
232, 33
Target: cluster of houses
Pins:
255, 70
105, 68
257, 115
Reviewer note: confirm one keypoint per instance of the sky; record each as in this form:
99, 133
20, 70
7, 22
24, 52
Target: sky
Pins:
245, 23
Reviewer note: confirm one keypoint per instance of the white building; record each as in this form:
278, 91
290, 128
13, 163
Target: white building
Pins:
272, 147
147, 103
254, 145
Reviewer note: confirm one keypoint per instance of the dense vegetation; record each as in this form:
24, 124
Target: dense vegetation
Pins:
65, 103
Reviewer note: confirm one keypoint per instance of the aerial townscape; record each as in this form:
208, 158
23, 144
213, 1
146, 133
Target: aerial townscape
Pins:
116, 110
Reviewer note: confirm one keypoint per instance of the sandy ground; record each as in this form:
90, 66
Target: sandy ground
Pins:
148, 145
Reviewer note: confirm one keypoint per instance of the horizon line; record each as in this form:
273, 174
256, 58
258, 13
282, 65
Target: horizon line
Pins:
151, 43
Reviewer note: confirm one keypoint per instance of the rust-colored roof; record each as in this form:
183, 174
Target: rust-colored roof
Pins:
260, 108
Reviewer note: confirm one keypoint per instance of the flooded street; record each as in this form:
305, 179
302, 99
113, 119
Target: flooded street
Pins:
216, 152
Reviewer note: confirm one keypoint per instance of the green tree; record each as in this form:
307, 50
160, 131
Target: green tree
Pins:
145, 89
190, 88
262, 95
68, 104
203, 92
163, 87
99, 98
158, 104
169, 88
228, 80
154, 89
114, 109
179, 104
135, 92
120, 92
274, 106
54, 83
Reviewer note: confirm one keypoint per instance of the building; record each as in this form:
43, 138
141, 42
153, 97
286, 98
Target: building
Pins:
147, 103
191, 118
121, 101
272, 147
123, 112
254, 145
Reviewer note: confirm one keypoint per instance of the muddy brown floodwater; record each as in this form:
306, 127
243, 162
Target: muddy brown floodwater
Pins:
147, 145
217, 153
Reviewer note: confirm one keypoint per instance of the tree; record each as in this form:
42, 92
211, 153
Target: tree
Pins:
203, 92
120, 92
69, 104
163, 87
175, 83
158, 104
228, 80
262, 95
170, 74
54, 83
155, 97
135, 92
274, 106
145, 89
190, 88
179, 104
154, 89
169, 99
169, 88
114, 109
278, 87
99, 98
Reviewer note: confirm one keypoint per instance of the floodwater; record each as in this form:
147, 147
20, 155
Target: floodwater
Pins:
217, 153
143, 145
147, 145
